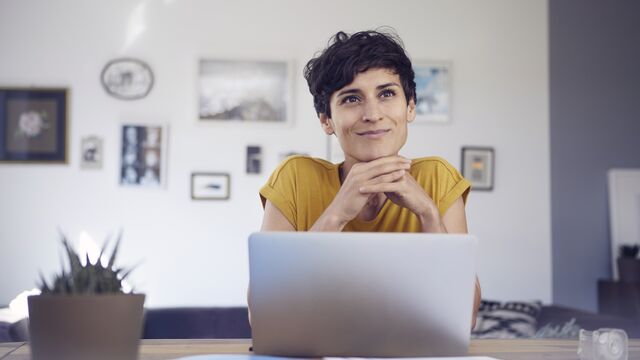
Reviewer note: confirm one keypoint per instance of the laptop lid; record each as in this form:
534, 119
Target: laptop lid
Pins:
361, 294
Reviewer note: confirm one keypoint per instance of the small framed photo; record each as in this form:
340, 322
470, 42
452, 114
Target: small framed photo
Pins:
254, 160
210, 186
91, 152
244, 91
33, 125
143, 155
433, 92
478, 167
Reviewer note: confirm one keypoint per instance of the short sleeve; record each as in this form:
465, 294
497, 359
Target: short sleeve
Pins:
280, 189
453, 186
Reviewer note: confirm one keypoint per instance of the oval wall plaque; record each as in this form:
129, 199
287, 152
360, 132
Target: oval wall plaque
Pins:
127, 78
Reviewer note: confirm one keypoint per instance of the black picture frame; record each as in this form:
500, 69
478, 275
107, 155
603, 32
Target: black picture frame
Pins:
34, 125
201, 180
478, 167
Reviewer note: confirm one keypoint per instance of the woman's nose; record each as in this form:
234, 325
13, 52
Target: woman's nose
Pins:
371, 112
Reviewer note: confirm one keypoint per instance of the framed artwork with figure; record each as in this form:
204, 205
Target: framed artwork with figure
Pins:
33, 125
143, 155
477, 167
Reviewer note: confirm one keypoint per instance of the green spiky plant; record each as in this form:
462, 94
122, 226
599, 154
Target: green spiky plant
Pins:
89, 279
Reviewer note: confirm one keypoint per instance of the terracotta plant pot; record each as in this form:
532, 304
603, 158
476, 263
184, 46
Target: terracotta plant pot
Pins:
629, 270
75, 327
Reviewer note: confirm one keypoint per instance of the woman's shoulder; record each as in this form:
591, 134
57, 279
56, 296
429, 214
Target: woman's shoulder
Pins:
434, 167
303, 164
432, 163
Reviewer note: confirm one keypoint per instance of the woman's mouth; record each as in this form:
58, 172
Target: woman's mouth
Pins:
373, 134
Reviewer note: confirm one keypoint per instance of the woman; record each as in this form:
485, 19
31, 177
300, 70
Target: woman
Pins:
364, 94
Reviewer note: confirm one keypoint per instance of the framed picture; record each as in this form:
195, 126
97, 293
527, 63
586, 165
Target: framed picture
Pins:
238, 91
433, 92
127, 78
254, 159
477, 167
91, 152
210, 186
334, 151
33, 125
143, 155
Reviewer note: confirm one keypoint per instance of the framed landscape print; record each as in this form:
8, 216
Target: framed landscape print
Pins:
433, 92
477, 167
143, 155
244, 91
33, 125
210, 186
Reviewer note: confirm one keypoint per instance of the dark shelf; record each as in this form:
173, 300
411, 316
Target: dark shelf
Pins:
619, 298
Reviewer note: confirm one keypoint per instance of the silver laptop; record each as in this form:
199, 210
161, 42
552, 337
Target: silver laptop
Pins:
318, 294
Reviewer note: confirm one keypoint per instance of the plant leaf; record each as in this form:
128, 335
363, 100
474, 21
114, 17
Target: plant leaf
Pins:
112, 260
43, 284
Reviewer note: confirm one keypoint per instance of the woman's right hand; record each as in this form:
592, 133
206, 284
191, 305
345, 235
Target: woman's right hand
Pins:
349, 201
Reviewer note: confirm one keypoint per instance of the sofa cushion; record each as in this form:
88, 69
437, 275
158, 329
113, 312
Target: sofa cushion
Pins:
197, 323
513, 319
4, 332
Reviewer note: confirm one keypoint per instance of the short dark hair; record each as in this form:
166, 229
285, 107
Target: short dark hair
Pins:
348, 55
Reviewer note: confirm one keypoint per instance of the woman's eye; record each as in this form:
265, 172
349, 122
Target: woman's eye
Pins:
350, 99
387, 93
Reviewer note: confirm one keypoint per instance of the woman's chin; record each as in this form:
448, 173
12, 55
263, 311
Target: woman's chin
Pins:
374, 156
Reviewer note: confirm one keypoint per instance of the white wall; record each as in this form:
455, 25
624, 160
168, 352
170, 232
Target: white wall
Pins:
195, 252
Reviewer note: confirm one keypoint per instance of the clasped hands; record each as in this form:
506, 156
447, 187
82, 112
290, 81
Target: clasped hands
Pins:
389, 175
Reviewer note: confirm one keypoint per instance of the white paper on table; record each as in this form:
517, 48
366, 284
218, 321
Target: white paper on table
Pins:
263, 357
419, 358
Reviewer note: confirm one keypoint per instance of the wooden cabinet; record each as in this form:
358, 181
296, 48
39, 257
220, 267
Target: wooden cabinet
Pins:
619, 298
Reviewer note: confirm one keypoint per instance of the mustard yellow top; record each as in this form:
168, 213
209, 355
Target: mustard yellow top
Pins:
302, 188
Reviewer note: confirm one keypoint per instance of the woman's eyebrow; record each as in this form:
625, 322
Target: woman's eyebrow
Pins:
348, 91
387, 85
358, 91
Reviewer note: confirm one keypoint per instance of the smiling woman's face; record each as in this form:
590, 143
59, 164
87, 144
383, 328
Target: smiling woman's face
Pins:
370, 116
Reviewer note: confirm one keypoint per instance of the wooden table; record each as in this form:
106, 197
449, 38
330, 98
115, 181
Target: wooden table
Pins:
500, 349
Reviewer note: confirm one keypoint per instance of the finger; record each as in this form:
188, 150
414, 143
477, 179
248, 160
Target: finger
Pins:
390, 177
383, 166
388, 159
388, 187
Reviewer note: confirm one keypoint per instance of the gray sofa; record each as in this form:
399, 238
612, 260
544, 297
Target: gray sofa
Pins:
215, 322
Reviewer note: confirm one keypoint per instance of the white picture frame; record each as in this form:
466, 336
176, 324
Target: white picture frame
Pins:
143, 155
433, 91
91, 152
478, 164
210, 186
245, 91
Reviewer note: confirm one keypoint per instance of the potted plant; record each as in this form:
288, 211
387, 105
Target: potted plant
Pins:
629, 263
84, 313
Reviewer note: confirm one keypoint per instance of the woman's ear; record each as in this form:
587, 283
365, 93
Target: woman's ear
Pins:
411, 110
326, 123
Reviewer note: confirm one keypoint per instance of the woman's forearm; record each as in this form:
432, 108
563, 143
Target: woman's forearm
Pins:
476, 303
431, 221
329, 221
